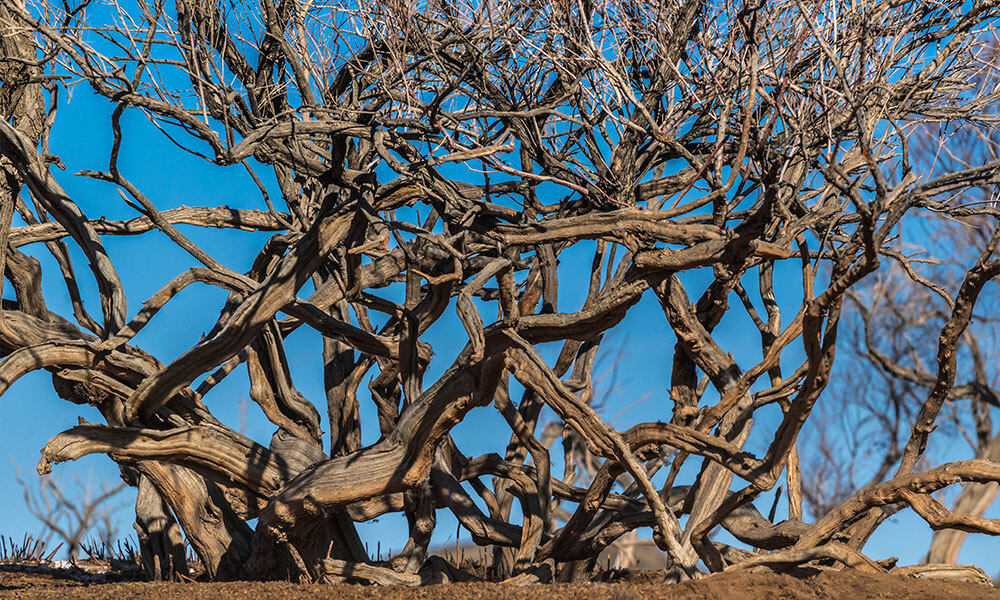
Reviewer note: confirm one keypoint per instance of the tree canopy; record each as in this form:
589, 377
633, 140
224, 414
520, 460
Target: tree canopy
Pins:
444, 158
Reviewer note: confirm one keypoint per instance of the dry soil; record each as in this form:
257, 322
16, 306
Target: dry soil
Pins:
726, 586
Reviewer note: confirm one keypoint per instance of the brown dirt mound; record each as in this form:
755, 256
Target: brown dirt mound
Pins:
726, 586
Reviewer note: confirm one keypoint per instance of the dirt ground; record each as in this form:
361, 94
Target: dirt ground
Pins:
726, 586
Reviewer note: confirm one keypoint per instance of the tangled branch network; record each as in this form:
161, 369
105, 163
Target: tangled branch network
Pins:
449, 162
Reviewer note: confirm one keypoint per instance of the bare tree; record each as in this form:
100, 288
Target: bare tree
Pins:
444, 158
892, 316
73, 515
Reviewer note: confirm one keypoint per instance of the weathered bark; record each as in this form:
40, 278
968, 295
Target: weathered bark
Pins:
400, 462
22, 103
948, 572
218, 535
835, 551
485, 531
34, 171
341, 378
974, 500
421, 520
271, 388
161, 545
222, 455
438, 179
368, 573
217, 217
299, 455
253, 314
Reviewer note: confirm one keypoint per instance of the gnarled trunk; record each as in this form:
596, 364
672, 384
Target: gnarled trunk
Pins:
161, 545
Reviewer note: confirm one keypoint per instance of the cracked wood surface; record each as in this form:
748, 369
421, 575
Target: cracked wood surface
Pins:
499, 183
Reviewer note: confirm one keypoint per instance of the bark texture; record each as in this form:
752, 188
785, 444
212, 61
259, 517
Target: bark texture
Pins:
466, 204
